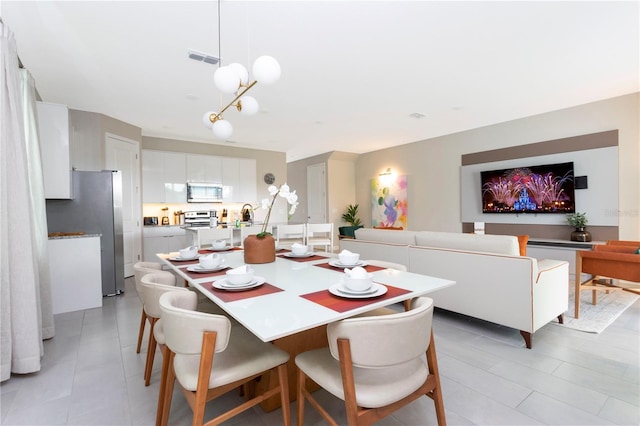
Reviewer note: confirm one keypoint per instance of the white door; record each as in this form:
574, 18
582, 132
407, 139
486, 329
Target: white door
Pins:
124, 155
316, 194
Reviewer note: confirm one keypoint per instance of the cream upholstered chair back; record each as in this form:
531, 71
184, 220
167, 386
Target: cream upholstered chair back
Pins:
207, 236
406, 336
155, 285
184, 327
140, 269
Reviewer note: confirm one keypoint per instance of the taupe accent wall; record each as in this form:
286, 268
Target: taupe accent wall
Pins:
433, 165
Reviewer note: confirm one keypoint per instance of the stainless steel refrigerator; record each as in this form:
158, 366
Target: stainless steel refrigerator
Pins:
96, 208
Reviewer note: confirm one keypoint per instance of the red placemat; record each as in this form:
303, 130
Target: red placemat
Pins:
368, 268
230, 296
302, 259
341, 304
198, 275
207, 251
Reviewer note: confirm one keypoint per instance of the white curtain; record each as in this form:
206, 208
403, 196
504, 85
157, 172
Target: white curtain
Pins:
25, 295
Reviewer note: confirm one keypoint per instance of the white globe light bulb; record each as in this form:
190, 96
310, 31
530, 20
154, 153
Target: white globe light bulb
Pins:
241, 71
226, 80
266, 70
249, 105
222, 129
206, 118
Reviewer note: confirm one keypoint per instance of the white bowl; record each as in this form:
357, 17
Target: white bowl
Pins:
189, 252
219, 244
348, 258
210, 262
299, 249
358, 284
238, 277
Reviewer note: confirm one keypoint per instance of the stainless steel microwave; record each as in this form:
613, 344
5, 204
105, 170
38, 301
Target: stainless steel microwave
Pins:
203, 192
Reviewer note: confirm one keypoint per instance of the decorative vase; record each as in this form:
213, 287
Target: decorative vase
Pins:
581, 235
259, 250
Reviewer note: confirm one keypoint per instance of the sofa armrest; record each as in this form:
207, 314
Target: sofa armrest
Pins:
546, 265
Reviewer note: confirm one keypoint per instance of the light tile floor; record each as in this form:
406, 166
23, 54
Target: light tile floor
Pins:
91, 375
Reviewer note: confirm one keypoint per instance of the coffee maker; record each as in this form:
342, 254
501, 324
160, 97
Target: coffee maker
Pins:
213, 218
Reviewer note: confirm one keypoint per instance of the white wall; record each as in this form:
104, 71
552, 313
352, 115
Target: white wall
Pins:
433, 165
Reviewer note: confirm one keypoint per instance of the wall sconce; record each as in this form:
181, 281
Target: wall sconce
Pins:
386, 172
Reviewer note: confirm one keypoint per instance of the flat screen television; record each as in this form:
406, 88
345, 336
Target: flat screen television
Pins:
547, 188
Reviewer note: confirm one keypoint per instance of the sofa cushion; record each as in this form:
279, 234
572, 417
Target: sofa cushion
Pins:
386, 236
499, 244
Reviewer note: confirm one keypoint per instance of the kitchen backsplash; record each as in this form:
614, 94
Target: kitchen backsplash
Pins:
233, 209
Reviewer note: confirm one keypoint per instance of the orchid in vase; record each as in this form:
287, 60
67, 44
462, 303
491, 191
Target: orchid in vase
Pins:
285, 192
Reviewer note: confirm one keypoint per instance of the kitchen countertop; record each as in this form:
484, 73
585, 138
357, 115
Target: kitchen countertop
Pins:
66, 235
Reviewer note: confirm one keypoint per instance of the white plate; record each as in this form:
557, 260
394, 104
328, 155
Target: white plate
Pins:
338, 264
200, 268
339, 290
223, 284
183, 259
307, 254
219, 249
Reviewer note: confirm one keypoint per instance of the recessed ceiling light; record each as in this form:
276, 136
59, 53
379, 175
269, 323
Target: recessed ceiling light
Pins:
203, 57
417, 115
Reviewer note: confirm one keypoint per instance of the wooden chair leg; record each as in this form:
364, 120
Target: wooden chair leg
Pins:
300, 398
436, 393
168, 391
143, 322
204, 373
151, 352
163, 382
283, 378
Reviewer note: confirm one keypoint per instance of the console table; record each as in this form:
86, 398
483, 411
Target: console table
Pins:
541, 248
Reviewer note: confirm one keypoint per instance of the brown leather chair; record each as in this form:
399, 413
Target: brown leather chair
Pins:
617, 260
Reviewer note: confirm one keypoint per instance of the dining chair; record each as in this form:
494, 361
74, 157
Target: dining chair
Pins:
245, 231
287, 235
153, 286
208, 358
139, 270
375, 379
207, 235
319, 234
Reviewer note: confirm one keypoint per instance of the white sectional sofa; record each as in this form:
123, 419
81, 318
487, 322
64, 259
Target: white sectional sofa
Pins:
493, 282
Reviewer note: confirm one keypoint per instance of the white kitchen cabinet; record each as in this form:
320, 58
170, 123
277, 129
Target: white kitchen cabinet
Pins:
164, 177
204, 168
53, 131
162, 239
247, 183
230, 180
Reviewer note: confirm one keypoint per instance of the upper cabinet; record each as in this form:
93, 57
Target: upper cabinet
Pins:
204, 168
53, 130
165, 174
164, 177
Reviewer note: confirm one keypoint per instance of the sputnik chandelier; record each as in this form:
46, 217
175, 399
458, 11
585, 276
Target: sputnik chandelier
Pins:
234, 79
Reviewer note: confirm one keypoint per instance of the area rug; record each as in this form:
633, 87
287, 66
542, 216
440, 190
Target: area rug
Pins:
596, 318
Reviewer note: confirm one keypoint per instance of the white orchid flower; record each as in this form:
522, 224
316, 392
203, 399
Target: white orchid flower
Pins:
265, 203
273, 190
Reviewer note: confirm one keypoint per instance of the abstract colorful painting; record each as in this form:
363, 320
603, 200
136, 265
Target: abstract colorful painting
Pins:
389, 201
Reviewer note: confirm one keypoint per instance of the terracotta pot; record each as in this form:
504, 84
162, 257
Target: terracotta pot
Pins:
259, 250
581, 235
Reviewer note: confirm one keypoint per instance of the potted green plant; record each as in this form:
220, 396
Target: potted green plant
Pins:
579, 222
351, 217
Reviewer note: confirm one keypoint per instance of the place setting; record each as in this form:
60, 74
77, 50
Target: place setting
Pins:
357, 283
220, 245
188, 255
208, 265
348, 259
301, 253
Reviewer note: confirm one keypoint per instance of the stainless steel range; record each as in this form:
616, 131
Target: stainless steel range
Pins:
201, 218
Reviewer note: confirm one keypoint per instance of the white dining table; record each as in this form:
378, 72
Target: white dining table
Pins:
298, 292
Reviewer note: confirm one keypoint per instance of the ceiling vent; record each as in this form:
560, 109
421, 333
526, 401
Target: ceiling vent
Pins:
203, 57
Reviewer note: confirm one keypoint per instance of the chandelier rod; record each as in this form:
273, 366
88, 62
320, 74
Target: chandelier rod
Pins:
245, 90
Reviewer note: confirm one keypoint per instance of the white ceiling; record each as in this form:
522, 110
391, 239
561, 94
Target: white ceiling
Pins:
352, 72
